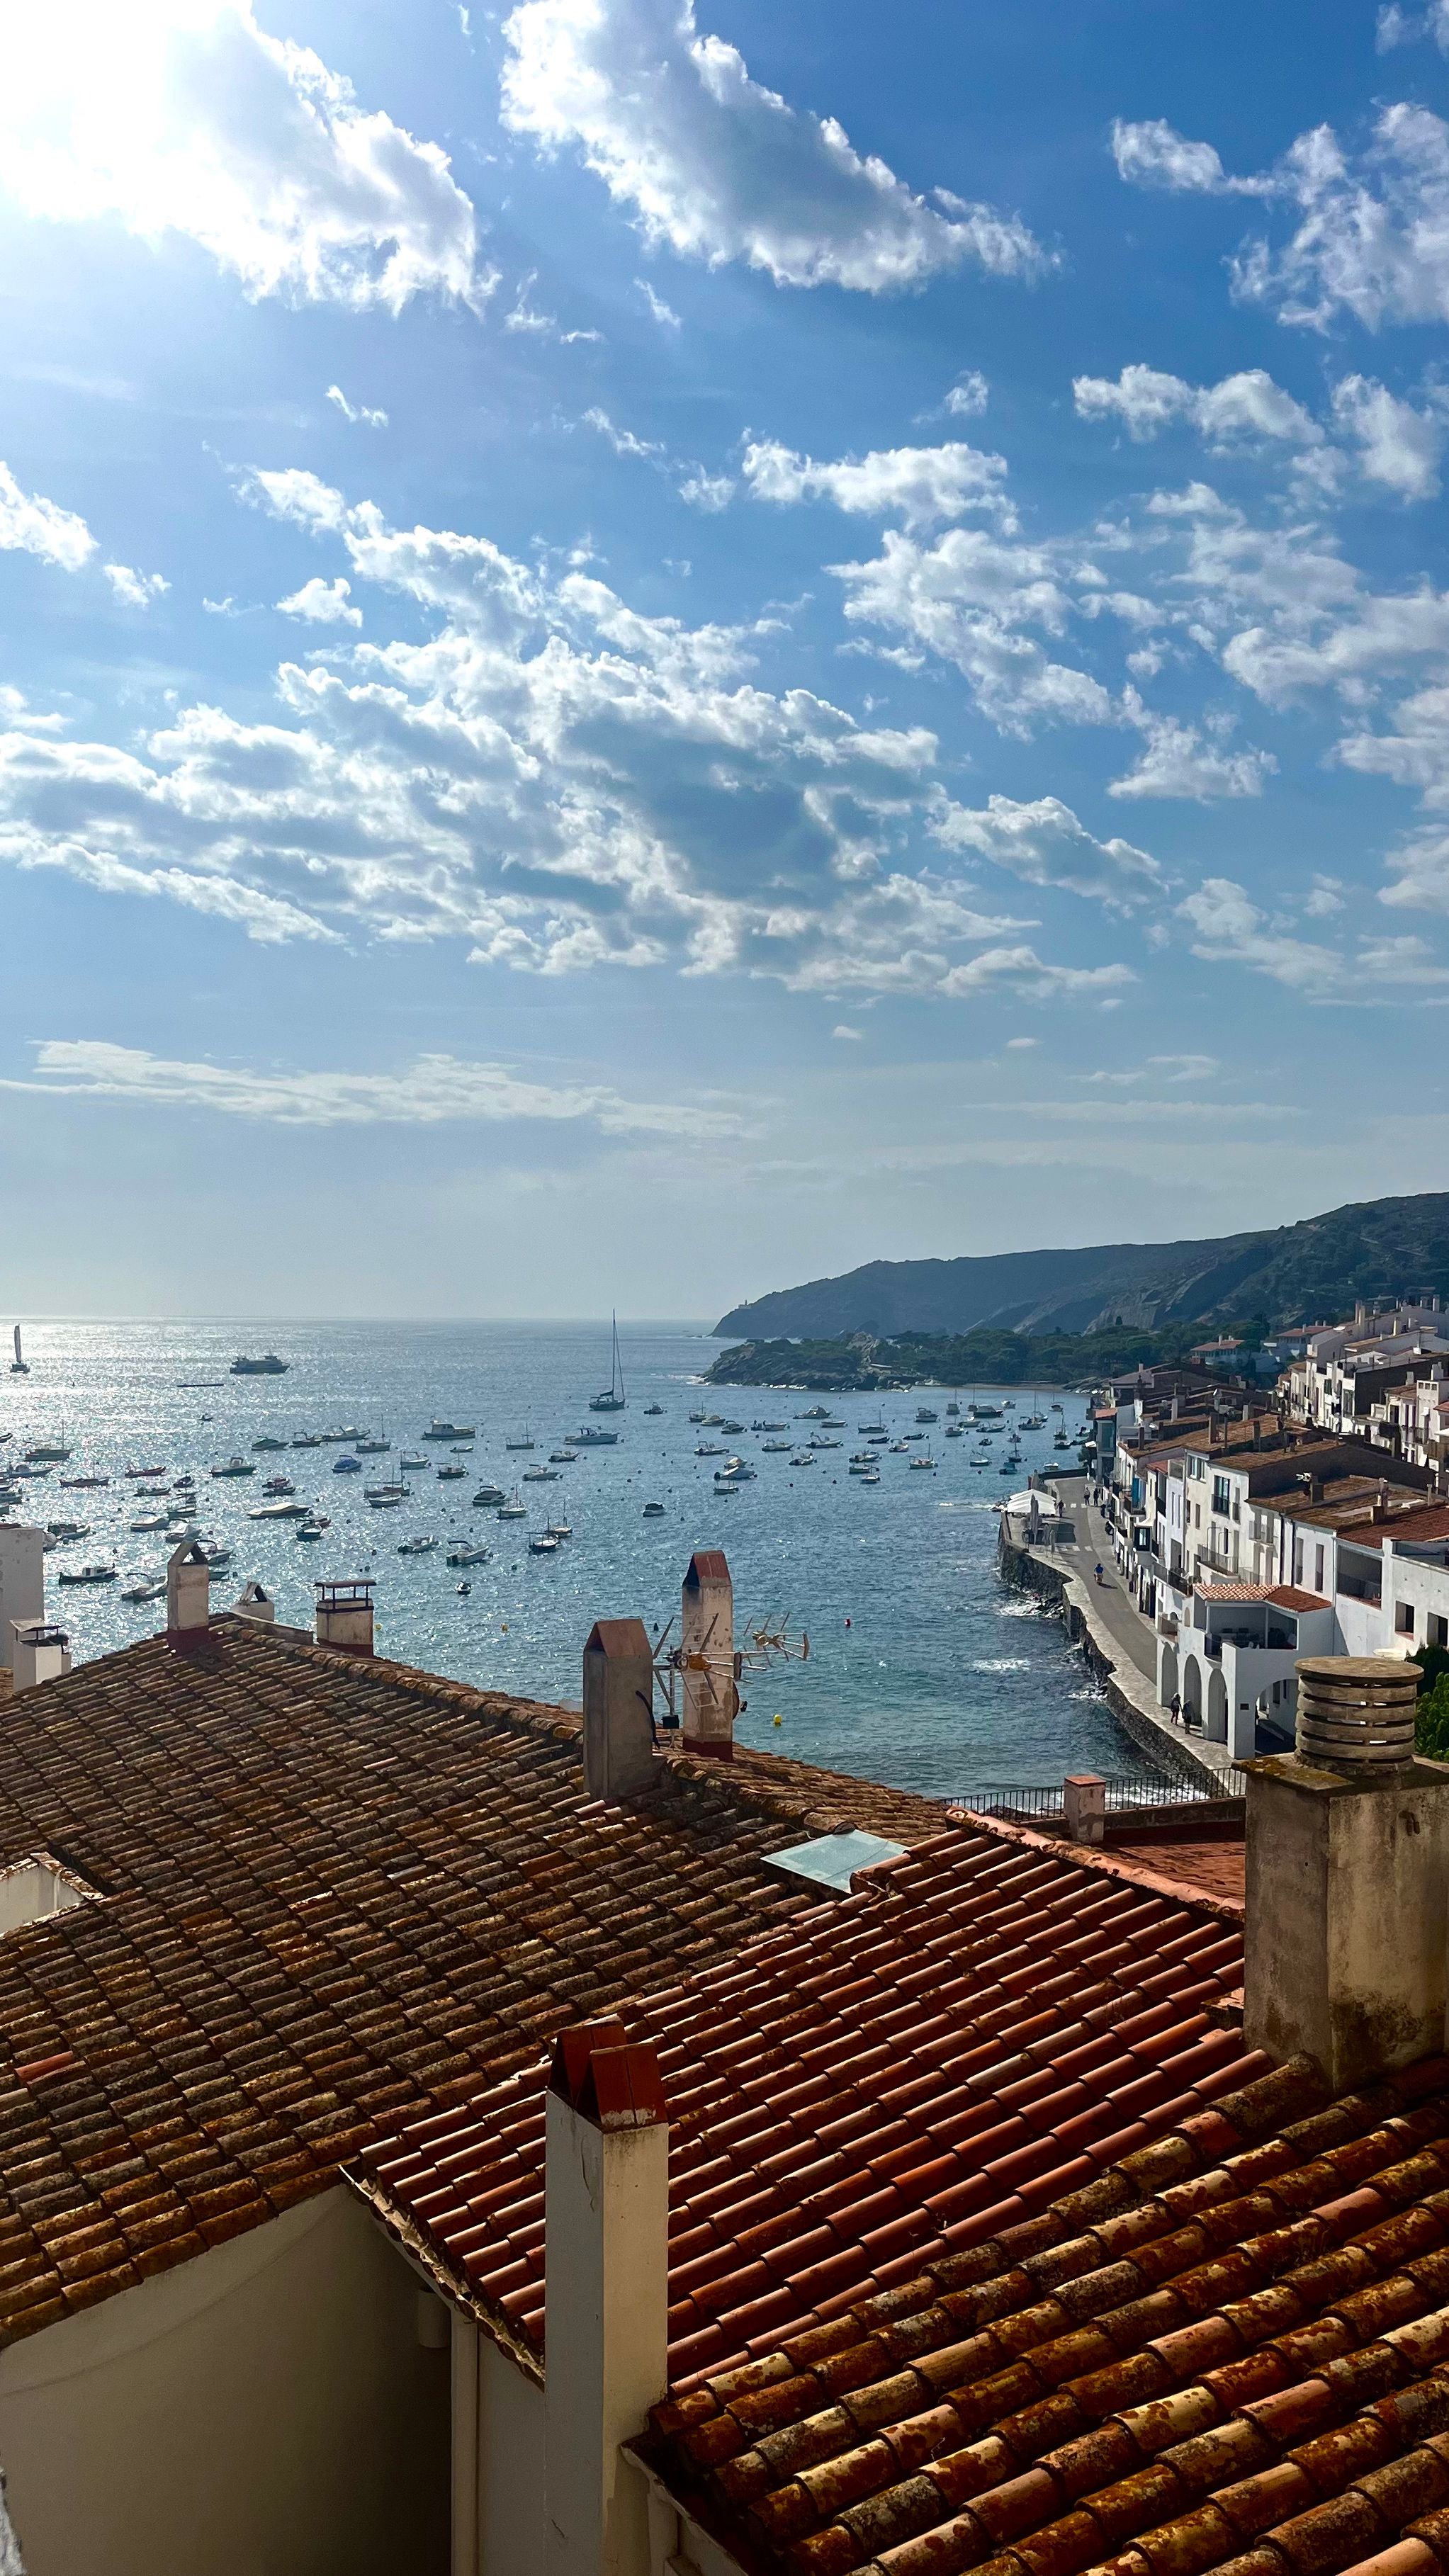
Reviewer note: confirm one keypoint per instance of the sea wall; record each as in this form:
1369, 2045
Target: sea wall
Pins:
1170, 1755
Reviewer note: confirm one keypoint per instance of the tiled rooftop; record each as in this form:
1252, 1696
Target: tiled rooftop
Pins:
1416, 1528
881, 2082
1229, 2351
335, 1894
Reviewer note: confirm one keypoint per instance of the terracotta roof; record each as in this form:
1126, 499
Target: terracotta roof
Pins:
900, 2072
1418, 1527
333, 1894
1230, 2351
1214, 1862
1288, 1596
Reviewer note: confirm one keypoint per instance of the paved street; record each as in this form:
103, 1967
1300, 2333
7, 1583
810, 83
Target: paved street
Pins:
1114, 1606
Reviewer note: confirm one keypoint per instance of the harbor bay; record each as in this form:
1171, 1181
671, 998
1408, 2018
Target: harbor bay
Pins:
923, 1670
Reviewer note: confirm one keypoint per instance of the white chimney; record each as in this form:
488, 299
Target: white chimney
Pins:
38, 1653
22, 1583
619, 1756
1348, 1879
606, 2295
256, 1604
344, 1617
707, 1651
188, 1593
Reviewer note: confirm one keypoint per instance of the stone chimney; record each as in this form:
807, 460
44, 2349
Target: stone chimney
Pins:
38, 1653
1381, 1501
606, 2295
188, 1594
1348, 1879
707, 1650
255, 1604
1084, 1806
22, 1587
619, 1755
344, 1616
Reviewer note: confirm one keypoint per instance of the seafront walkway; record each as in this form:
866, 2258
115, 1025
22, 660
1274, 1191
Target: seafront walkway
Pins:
1124, 1640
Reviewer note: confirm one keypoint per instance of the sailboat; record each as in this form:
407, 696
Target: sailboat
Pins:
19, 1366
613, 1401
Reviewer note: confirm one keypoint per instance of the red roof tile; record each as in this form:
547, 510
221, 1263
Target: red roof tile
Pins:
840, 2099
334, 1895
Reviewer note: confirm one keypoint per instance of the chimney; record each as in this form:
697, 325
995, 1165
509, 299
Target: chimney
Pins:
1381, 1500
619, 1755
344, 1617
255, 1604
38, 1653
707, 1650
188, 1594
1348, 1879
22, 1586
1176, 1406
1084, 1806
606, 2295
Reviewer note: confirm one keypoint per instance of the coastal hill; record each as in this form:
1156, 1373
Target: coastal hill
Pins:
1291, 1274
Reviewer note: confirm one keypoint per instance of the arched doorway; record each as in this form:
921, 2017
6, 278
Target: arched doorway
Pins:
1192, 1688
1167, 1683
1217, 1708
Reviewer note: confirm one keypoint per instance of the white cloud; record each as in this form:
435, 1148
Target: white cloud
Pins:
322, 603
356, 411
548, 775
1013, 1045
1249, 405
1230, 928
1178, 762
705, 491
719, 168
967, 398
1398, 26
435, 1089
1044, 843
622, 441
1154, 155
974, 599
1400, 447
1371, 234
1168, 1069
31, 525
187, 118
664, 314
922, 483
1021, 971
134, 589
841, 1031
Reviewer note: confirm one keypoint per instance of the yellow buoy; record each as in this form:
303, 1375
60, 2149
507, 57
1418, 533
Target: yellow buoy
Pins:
779, 1721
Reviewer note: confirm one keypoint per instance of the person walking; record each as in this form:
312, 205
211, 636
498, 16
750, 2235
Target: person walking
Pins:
1177, 1708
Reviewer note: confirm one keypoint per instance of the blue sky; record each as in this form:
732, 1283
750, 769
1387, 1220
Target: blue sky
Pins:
651, 651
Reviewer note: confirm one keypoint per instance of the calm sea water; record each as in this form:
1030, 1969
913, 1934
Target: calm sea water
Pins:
923, 1670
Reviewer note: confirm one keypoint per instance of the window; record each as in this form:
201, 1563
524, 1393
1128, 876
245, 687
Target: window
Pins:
1404, 1618
1436, 1630
35, 1887
1298, 1560
1222, 1496
1318, 1569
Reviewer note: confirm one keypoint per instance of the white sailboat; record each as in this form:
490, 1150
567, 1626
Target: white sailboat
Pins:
20, 1365
613, 1400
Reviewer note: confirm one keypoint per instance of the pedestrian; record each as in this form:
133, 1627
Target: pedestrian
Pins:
1177, 1708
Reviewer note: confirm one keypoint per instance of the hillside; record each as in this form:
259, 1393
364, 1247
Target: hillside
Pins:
1378, 1248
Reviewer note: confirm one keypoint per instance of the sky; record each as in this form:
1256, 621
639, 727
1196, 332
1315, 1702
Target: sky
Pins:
648, 650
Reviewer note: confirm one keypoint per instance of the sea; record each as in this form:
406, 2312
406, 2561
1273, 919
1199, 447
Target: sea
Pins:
923, 1669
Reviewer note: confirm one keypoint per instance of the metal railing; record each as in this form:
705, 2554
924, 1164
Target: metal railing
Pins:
1019, 1802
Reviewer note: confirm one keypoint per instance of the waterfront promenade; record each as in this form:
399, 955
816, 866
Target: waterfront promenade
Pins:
1119, 1637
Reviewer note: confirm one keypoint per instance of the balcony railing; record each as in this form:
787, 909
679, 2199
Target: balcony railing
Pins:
1016, 1802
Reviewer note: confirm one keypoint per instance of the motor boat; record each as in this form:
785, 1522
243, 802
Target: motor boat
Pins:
709, 1449
924, 1461
767, 1426
823, 1440
269, 1440
654, 1511
873, 1478
924, 1414
515, 1509
51, 1453
314, 1527
562, 1458
542, 1544
815, 1413
146, 1521
954, 1431
447, 1475
281, 1512
952, 1409
439, 1430
464, 1555
347, 1466
804, 1458
772, 1448
279, 1485
489, 1494
87, 1574
235, 1467
525, 1443
417, 1546
589, 1438
83, 1484
372, 1448
308, 1440
413, 1463
65, 1532
153, 1589
540, 1475
267, 1366
654, 1408
385, 1498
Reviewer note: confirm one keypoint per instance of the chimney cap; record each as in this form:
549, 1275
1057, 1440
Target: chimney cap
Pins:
357, 1591
609, 2080
624, 1637
707, 1565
